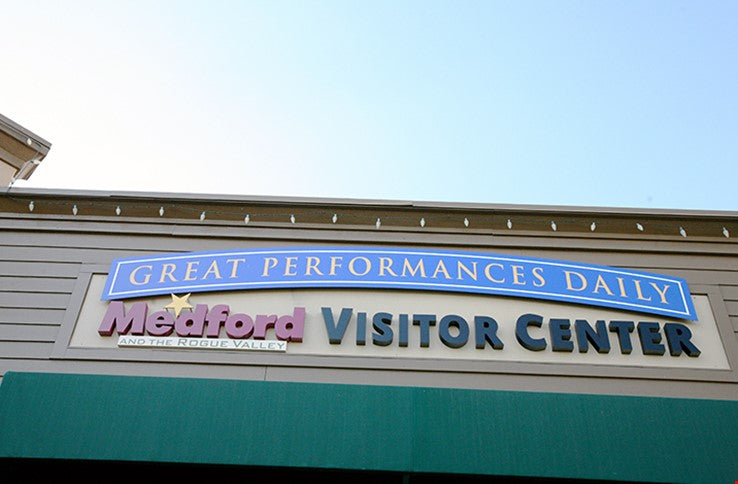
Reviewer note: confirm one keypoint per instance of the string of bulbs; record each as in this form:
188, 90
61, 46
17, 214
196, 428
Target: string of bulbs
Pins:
333, 217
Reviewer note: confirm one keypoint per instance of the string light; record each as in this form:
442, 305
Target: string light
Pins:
404, 219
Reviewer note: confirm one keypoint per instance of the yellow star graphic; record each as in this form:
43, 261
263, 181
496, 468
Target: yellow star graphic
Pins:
179, 303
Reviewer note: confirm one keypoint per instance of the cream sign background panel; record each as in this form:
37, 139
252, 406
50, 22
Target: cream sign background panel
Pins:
505, 310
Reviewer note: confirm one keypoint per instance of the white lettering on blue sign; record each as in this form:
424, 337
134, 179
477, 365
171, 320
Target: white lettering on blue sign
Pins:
394, 268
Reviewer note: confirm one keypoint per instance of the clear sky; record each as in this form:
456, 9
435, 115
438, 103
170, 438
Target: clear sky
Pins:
575, 103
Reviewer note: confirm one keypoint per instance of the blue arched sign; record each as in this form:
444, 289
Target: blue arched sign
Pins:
395, 268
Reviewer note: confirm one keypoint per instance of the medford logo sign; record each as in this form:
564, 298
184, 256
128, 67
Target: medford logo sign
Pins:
393, 268
200, 327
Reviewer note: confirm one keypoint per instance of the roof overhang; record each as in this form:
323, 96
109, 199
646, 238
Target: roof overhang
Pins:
20, 151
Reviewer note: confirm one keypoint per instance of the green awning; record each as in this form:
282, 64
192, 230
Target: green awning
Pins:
377, 428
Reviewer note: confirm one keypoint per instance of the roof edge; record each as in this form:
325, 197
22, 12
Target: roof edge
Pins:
358, 202
22, 134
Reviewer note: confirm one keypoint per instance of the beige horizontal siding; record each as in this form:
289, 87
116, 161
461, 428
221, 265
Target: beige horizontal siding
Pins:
33, 300
33, 350
730, 296
25, 332
36, 284
31, 316
34, 296
38, 269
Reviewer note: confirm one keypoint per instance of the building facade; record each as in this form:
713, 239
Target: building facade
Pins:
366, 339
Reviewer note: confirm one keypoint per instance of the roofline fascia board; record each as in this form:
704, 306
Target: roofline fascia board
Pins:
510, 208
22, 135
